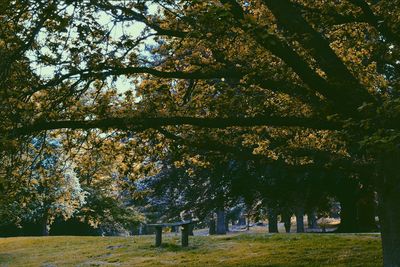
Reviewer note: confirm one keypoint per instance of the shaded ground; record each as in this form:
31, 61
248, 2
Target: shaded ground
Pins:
231, 250
330, 225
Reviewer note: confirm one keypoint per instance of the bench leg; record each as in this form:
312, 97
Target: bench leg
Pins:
158, 236
185, 235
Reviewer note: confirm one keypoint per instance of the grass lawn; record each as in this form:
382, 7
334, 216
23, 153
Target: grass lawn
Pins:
231, 250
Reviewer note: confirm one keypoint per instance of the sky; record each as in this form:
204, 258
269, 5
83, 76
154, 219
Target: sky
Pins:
133, 30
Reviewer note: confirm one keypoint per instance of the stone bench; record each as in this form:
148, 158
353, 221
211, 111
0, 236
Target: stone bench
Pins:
184, 233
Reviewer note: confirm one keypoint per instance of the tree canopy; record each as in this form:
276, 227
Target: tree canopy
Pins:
289, 84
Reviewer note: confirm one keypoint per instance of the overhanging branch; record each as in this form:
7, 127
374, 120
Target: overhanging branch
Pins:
347, 88
101, 73
131, 123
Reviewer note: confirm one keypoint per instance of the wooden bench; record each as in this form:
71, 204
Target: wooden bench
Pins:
184, 233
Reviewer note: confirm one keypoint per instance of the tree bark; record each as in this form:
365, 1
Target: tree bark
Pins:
389, 203
272, 220
221, 228
389, 218
286, 218
300, 220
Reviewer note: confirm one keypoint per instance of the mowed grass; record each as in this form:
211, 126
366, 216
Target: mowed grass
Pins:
231, 250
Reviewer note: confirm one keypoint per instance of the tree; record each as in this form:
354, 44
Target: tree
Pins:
198, 184
238, 68
46, 188
102, 167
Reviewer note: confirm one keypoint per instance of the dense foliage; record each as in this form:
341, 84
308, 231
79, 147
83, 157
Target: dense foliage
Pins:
298, 87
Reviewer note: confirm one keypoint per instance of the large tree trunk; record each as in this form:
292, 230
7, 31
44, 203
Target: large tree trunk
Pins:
286, 218
221, 227
300, 220
389, 211
272, 220
389, 218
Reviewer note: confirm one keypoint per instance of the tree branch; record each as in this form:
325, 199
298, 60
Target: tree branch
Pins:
130, 14
375, 21
142, 123
338, 74
109, 71
209, 145
342, 103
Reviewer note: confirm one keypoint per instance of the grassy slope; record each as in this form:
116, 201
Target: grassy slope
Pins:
232, 250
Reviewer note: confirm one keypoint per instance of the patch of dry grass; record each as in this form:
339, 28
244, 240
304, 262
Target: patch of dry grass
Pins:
230, 250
